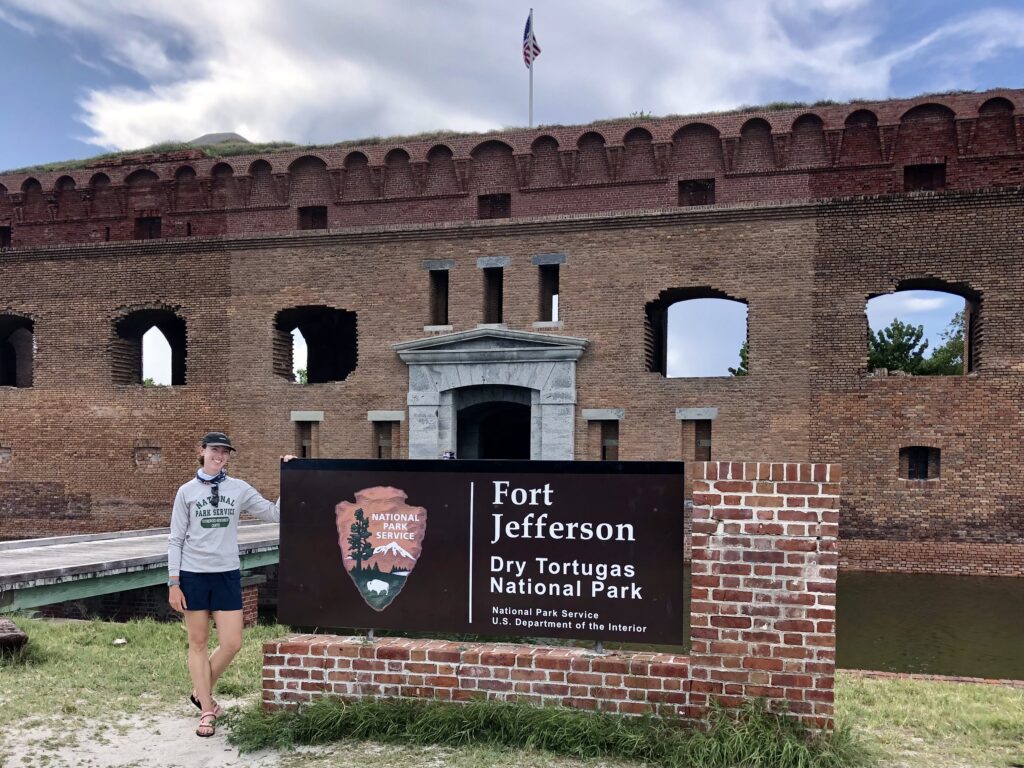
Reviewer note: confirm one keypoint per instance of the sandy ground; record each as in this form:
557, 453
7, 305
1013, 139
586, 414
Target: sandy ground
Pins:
160, 740
166, 739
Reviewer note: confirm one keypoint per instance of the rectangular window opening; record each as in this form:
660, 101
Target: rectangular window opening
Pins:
306, 439
609, 441
439, 297
494, 206
702, 440
147, 228
919, 178
549, 292
919, 462
697, 192
384, 439
493, 294
5, 237
313, 217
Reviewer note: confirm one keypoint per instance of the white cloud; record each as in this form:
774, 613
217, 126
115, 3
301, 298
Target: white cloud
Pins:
913, 302
17, 22
318, 71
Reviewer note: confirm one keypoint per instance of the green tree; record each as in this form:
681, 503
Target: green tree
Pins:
148, 382
359, 548
898, 347
302, 376
948, 357
741, 369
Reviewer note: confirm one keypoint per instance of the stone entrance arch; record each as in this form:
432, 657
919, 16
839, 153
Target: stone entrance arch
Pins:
492, 421
458, 369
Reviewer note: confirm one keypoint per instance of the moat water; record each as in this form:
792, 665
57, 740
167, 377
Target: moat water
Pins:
942, 625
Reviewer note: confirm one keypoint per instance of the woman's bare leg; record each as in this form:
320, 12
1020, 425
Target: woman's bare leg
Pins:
229, 636
197, 623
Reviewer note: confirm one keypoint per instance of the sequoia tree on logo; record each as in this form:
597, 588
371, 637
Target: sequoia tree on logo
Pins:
381, 538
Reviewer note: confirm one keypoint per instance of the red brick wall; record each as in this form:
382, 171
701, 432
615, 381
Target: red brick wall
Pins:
148, 602
762, 623
771, 155
931, 557
68, 461
765, 562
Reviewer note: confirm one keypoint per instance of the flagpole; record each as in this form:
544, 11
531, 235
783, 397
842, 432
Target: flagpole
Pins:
531, 68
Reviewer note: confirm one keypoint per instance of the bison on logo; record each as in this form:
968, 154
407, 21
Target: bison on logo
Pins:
381, 538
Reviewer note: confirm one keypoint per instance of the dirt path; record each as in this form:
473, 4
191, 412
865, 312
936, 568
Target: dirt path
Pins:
166, 739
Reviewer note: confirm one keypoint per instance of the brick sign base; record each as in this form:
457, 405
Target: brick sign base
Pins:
762, 623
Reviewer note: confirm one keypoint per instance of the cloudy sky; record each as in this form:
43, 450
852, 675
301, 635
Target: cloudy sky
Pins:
86, 76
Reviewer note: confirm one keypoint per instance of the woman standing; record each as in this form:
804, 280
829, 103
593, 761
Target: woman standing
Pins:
203, 566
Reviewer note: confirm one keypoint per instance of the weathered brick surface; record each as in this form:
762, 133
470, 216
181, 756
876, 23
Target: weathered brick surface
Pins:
762, 623
762, 612
147, 602
827, 151
70, 445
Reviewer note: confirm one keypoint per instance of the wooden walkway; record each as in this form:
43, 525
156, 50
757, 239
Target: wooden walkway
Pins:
35, 572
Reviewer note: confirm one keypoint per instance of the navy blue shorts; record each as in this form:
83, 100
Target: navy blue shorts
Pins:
212, 591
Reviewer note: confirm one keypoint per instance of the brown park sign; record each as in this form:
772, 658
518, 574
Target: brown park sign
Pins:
513, 548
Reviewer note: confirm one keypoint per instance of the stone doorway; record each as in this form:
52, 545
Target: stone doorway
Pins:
493, 423
453, 378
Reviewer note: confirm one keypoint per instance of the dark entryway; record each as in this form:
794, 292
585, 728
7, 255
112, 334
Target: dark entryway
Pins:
494, 430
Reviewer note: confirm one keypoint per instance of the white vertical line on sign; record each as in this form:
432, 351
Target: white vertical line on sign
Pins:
471, 552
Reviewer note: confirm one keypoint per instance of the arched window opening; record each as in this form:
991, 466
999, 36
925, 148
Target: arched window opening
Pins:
677, 342
923, 328
330, 339
131, 362
156, 359
17, 350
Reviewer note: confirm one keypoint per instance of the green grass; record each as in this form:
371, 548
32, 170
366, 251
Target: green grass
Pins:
751, 737
935, 723
72, 676
74, 668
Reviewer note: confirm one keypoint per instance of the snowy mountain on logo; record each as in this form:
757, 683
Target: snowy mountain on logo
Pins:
390, 556
392, 549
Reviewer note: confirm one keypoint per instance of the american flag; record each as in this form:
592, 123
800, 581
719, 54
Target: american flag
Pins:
530, 48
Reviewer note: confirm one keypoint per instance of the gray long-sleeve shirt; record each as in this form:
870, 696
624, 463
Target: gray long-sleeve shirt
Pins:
204, 538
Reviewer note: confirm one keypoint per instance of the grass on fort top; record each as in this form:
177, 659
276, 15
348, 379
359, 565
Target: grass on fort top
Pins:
71, 674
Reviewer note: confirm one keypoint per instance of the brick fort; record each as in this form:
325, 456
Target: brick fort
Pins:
423, 275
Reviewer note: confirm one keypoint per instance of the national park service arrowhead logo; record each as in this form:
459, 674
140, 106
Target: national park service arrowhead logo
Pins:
381, 538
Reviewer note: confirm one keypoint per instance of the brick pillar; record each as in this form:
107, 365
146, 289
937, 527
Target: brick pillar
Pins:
764, 578
250, 606
251, 597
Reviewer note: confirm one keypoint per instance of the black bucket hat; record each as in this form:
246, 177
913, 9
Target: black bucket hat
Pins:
217, 438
